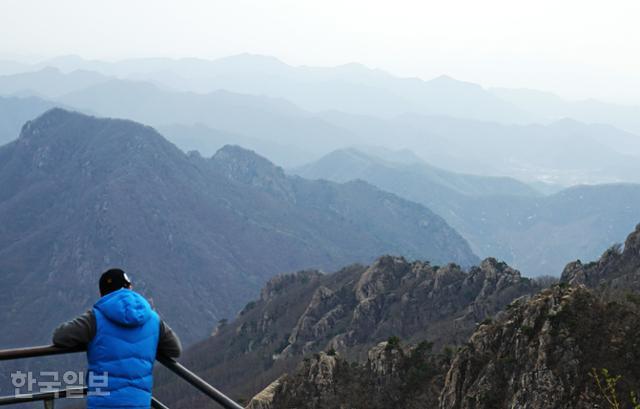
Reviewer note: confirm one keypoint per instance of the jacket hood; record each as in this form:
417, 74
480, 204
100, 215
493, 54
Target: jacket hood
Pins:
125, 307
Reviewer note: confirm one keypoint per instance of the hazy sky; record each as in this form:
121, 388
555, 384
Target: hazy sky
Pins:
578, 48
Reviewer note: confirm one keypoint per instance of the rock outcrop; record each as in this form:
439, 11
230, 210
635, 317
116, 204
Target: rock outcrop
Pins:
393, 376
573, 345
539, 354
264, 400
351, 311
617, 269
413, 300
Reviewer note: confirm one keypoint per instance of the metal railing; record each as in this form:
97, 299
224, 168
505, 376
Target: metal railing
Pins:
49, 396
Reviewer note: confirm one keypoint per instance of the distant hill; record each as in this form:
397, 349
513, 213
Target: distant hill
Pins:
48, 82
81, 194
453, 124
500, 216
550, 107
564, 152
404, 171
208, 141
15, 111
268, 119
352, 88
357, 89
349, 311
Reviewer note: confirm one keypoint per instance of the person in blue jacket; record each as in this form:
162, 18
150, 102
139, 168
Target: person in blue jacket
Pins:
123, 335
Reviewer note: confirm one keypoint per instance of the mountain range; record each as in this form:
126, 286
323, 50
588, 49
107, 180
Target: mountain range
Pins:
552, 350
198, 235
397, 185
348, 311
570, 345
500, 217
354, 88
565, 152
451, 124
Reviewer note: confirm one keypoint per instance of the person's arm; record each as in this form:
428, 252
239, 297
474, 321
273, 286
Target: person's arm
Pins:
77, 332
169, 344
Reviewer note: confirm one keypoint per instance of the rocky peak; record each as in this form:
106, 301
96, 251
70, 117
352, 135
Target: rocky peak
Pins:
448, 275
279, 284
393, 376
321, 369
539, 353
493, 276
632, 244
396, 297
60, 138
383, 275
617, 268
247, 167
264, 399
385, 359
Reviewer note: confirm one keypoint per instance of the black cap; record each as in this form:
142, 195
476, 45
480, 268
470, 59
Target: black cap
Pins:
113, 280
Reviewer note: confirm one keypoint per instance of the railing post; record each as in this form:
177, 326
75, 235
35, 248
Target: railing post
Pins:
48, 404
198, 383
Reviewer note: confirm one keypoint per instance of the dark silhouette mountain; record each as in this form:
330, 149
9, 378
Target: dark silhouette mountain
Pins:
500, 216
350, 311
199, 236
15, 111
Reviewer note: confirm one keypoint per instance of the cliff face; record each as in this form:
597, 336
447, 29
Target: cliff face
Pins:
393, 376
412, 300
540, 352
351, 311
545, 350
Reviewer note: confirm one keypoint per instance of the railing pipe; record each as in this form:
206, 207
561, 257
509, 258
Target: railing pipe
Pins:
30, 397
199, 383
170, 363
43, 350
60, 394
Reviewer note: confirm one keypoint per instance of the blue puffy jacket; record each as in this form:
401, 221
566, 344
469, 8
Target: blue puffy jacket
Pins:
124, 350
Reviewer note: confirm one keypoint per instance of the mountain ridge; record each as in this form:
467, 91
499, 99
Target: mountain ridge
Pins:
348, 311
501, 217
569, 345
82, 194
